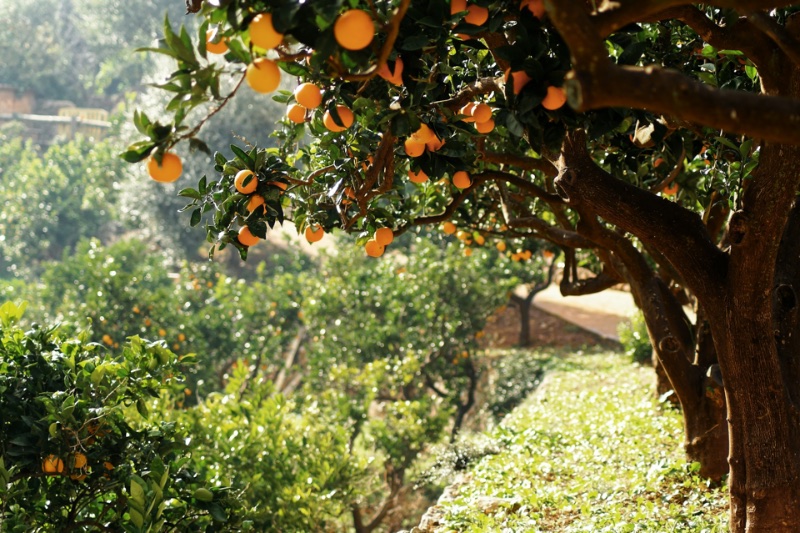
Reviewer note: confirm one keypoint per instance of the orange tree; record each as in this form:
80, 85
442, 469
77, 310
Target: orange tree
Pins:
74, 452
674, 163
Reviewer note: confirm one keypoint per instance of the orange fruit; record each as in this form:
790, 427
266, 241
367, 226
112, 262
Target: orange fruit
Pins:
219, 47
279, 184
485, 127
461, 179
168, 170
480, 240
314, 235
296, 113
449, 228
556, 97
263, 75
107, 339
308, 95
658, 162
344, 113
262, 32
413, 148
246, 237
519, 78
417, 177
477, 15
468, 111
534, 6
162, 332
52, 465
434, 144
671, 189
354, 29
482, 112
374, 248
548, 254
108, 465
467, 252
424, 134
384, 236
239, 181
501, 246
457, 6
255, 202
181, 336
395, 77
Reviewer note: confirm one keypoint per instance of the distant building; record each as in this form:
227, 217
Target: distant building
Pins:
12, 101
46, 120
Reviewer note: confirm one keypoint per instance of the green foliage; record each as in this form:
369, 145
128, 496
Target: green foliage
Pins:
51, 201
514, 375
635, 339
294, 467
76, 447
590, 451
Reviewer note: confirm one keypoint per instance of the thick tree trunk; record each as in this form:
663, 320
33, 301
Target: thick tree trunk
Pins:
748, 328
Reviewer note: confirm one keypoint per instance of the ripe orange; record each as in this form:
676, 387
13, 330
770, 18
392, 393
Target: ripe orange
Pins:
424, 134
413, 148
501, 246
547, 254
457, 6
477, 16
262, 32
480, 240
296, 113
78, 463
556, 97
314, 235
384, 236
263, 75
246, 237
239, 181
279, 184
52, 465
354, 29
216, 48
255, 202
482, 112
181, 336
107, 339
671, 189
395, 77
468, 110
467, 251
519, 78
449, 228
344, 113
535, 6
417, 177
485, 127
374, 248
434, 144
461, 179
168, 170
308, 95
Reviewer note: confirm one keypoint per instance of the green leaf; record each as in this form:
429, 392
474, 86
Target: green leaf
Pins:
197, 215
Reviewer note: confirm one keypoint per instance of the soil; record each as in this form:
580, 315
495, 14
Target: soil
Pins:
502, 331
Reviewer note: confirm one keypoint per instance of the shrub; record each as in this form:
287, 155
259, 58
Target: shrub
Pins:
635, 339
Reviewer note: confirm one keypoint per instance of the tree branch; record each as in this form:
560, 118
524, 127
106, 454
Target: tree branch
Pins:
676, 232
777, 34
670, 92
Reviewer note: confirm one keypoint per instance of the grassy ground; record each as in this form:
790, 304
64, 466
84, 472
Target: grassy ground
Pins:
591, 451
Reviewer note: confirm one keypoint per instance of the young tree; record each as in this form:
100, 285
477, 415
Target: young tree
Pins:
469, 99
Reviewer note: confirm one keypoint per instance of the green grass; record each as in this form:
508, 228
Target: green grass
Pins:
592, 450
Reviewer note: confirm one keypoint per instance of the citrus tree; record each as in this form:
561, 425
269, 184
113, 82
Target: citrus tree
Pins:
77, 451
658, 135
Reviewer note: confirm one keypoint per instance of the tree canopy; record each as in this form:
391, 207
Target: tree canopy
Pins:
651, 140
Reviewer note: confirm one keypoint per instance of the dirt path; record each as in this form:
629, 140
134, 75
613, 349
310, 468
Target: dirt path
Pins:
572, 321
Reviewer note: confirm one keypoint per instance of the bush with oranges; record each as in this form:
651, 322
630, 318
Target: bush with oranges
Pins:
76, 444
